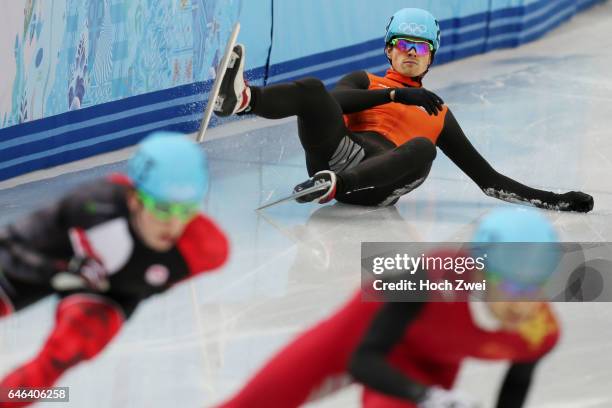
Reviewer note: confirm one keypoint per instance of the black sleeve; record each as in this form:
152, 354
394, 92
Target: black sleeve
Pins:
516, 385
89, 204
353, 95
368, 364
457, 147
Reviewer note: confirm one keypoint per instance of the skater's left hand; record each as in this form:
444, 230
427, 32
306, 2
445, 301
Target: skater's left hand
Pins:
576, 201
93, 273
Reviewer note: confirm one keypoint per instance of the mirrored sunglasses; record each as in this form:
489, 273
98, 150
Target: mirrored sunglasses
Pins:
421, 48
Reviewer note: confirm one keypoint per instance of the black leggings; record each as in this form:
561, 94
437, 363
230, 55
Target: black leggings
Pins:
21, 295
385, 173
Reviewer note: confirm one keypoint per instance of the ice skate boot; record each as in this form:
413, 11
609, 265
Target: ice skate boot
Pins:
326, 180
234, 94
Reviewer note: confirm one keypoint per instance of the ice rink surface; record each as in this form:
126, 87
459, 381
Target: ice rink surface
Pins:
541, 114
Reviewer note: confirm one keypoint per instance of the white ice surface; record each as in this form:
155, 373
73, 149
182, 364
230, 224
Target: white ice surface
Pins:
541, 114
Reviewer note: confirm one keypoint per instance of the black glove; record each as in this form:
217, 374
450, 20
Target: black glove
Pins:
91, 272
431, 102
575, 201
26, 264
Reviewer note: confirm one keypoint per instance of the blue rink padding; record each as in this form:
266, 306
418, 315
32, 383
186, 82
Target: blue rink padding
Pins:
114, 125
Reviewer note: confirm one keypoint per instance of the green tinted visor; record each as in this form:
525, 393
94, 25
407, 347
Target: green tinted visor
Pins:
165, 211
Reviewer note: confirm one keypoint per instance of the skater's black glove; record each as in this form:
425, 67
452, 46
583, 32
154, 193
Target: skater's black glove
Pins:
28, 265
575, 201
91, 272
431, 102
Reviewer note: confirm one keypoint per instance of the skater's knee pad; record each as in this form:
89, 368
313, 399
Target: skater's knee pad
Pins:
425, 147
311, 83
85, 324
419, 147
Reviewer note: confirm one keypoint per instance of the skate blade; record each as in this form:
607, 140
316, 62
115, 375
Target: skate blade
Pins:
212, 96
315, 188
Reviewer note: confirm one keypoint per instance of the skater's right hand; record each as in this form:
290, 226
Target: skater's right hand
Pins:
431, 102
437, 397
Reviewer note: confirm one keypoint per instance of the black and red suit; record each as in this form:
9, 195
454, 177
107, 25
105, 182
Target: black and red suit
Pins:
92, 220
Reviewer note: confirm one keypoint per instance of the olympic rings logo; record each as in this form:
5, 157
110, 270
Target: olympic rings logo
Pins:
412, 28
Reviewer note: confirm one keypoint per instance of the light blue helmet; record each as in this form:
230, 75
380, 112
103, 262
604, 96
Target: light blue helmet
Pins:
415, 23
521, 266
170, 168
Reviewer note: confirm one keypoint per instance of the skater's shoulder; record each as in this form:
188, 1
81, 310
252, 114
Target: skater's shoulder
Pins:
119, 179
203, 244
203, 224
